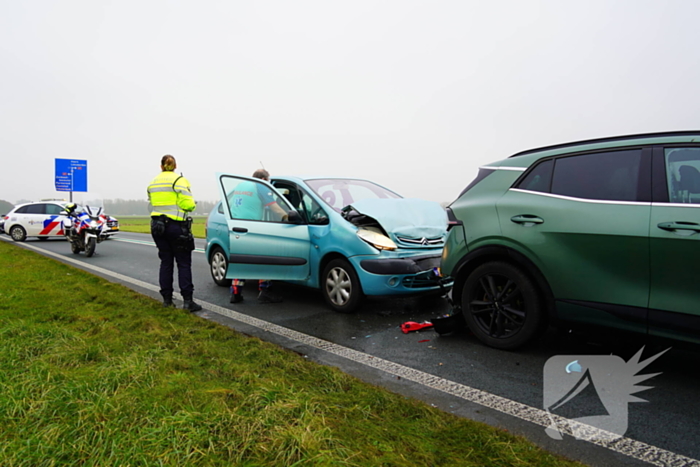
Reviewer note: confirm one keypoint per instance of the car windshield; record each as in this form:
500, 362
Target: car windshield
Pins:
340, 192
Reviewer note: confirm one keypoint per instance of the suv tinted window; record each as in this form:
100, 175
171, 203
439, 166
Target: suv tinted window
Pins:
683, 175
539, 178
610, 175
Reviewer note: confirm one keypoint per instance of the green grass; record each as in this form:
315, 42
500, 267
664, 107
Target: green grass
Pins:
95, 374
142, 224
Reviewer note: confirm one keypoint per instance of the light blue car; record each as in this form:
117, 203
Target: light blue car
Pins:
351, 238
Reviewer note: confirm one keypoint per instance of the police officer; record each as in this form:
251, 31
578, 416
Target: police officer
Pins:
171, 198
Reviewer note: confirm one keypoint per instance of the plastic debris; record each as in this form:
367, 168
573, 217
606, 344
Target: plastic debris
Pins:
409, 326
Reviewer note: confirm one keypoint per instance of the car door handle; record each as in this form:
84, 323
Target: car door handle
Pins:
671, 226
527, 219
240, 229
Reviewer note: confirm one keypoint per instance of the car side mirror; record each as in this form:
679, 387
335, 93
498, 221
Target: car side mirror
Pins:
320, 220
293, 217
63, 213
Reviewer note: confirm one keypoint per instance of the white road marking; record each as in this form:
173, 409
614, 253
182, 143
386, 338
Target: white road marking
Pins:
144, 242
622, 445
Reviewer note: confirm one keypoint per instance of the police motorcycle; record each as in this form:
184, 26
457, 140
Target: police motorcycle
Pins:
84, 227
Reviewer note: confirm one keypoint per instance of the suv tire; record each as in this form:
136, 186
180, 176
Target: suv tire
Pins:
502, 305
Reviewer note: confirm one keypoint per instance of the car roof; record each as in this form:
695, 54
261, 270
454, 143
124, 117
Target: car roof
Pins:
317, 177
60, 202
613, 141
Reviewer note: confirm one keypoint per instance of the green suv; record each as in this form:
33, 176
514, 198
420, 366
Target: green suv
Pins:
603, 232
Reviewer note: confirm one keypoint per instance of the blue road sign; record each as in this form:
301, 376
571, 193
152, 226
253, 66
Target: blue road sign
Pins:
71, 175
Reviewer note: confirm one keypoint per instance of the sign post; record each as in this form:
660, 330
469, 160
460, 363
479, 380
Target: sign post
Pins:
71, 175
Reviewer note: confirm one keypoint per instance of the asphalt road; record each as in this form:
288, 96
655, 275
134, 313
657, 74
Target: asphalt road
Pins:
370, 345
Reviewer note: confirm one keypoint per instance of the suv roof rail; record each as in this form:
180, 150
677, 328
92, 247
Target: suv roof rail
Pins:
609, 139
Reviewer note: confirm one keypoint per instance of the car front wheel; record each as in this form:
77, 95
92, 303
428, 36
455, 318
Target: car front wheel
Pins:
341, 286
90, 247
218, 265
502, 306
18, 233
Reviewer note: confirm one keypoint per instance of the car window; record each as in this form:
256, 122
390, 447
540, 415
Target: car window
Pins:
53, 209
310, 210
253, 200
314, 212
339, 193
36, 209
22, 210
609, 175
683, 175
539, 178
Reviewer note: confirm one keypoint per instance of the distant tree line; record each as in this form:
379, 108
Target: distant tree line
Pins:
137, 207
121, 207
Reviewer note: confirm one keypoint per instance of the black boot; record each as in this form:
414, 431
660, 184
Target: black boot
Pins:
191, 305
236, 298
168, 302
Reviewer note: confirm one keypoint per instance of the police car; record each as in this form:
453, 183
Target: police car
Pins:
42, 219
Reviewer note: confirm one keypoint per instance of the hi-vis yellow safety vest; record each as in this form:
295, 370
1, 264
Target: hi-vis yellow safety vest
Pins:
169, 194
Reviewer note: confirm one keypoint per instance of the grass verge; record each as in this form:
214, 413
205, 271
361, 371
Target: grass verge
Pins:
94, 373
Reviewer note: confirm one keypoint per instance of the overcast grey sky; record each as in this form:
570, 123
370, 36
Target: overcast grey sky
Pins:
414, 95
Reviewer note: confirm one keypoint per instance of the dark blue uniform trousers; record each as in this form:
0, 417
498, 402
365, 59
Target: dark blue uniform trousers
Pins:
169, 253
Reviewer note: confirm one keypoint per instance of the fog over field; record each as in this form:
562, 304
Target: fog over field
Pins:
415, 95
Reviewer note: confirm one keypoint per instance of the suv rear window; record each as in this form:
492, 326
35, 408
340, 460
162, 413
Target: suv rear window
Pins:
539, 178
612, 176
609, 175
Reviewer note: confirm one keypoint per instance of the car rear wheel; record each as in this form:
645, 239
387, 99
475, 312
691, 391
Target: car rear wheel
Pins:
341, 286
502, 306
218, 265
18, 233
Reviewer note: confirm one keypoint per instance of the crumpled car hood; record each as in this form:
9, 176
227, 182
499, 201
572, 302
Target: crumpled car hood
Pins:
406, 217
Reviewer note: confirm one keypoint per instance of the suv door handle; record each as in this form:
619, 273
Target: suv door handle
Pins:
671, 226
527, 219
240, 229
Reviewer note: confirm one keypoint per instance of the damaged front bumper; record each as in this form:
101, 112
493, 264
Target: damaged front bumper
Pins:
391, 276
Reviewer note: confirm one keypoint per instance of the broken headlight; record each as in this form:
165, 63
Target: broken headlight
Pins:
376, 239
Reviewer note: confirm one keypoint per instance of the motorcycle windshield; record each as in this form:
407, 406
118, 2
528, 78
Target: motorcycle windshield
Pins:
93, 204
